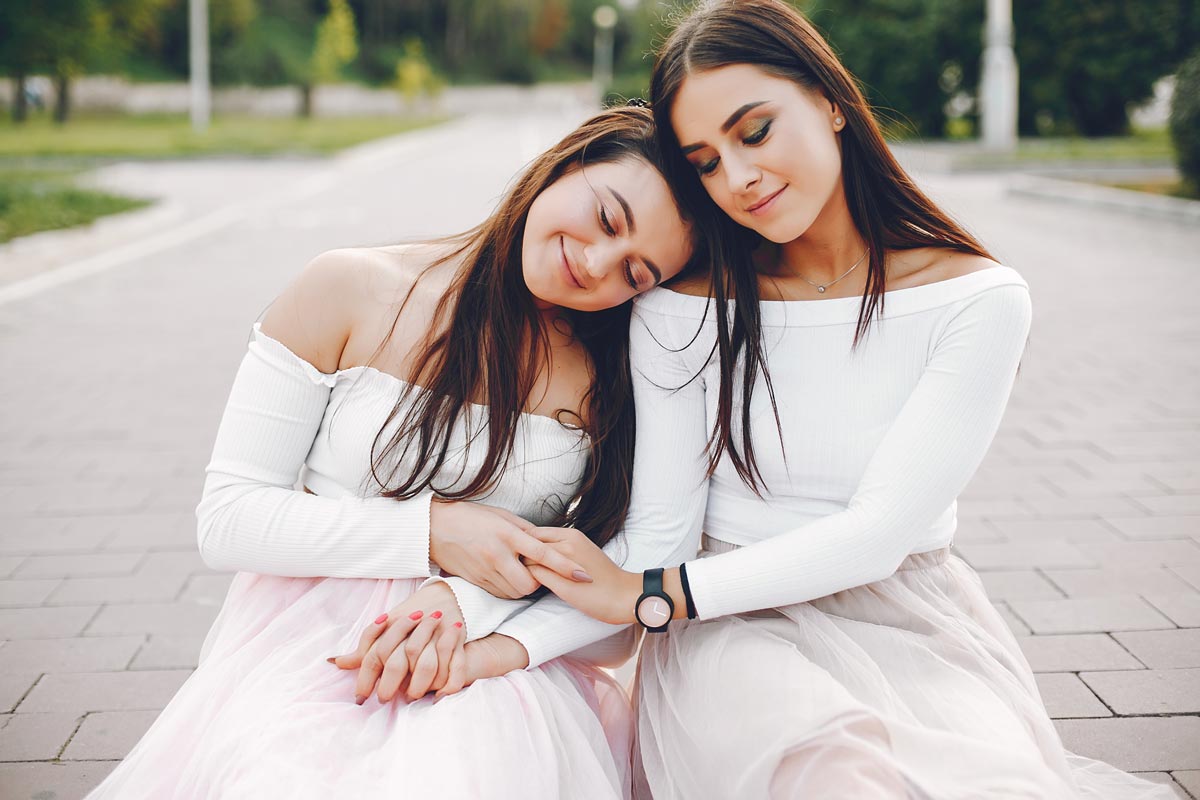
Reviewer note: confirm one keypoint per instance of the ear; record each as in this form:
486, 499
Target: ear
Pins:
836, 116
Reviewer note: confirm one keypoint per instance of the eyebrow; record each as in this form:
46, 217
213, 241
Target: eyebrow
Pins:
729, 123
650, 265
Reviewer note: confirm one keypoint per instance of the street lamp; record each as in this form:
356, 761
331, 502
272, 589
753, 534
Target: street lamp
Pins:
605, 20
998, 95
200, 95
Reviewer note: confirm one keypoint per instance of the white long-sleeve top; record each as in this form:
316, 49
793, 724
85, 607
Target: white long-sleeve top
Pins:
877, 442
286, 421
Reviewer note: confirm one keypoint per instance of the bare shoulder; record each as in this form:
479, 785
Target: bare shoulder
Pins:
926, 265
334, 295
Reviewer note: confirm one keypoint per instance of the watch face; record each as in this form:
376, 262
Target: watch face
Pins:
653, 612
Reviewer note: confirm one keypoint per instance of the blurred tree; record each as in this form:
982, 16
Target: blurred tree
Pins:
336, 46
1185, 123
910, 56
414, 74
1083, 62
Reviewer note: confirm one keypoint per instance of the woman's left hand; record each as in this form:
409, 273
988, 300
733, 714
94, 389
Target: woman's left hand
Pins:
418, 647
611, 595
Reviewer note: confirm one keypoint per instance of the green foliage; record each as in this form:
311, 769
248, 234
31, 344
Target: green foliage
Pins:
910, 56
415, 76
39, 200
1185, 122
1083, 63
337, 43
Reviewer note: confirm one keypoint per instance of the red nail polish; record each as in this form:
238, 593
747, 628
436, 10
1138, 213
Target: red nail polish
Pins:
382, 618
359, 699
416, 615
332, 659
458, 624
436, 615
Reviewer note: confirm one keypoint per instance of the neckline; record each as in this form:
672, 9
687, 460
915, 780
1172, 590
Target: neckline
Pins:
840, 310
332, 379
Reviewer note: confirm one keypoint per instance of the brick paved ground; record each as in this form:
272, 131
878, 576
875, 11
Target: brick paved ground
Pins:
1083, 520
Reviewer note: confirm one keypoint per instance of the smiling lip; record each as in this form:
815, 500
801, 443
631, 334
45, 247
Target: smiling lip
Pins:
571, 278
764, 205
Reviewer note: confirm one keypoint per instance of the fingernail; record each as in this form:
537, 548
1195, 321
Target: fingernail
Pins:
382, 618
359, 699
332, 659
582, 576
436, 615
416, 615
458, 624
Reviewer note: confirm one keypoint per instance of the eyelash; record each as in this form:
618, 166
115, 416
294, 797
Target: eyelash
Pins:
611, 231
753, 140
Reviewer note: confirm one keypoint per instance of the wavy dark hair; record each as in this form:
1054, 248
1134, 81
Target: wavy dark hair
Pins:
888, 209
495, 342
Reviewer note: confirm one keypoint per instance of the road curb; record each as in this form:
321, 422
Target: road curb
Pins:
1106, 197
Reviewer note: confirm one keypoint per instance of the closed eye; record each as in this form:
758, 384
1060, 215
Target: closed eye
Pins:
605, 223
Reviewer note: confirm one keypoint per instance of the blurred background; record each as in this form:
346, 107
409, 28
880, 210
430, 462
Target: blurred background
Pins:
168, 166
91, 80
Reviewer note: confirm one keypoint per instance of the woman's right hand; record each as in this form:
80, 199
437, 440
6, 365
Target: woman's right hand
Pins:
484, 545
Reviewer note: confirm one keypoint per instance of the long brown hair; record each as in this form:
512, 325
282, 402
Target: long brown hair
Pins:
887, 208
495, 342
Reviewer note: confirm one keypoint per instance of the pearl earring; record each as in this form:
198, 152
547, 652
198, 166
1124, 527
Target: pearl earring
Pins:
837, 120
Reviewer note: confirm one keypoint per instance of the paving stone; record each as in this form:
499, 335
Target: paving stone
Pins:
9, 565
1189, 572
44, 623
79, 566
108, 734
1147, 691
1014, 623
1076, 652
35, 737
1172, 504
51, 780
1136, 743
80, 654
169, 652
1118, 580
1065, 696
1182, 609
150, 587
977, 530
182, 619
186, 561
1067, 530
1086, 507
1189, 780
1158, 649
1089, 615
1156, 527
104, 691
208, 590
1165, 779
14, 686
993, 509
1143, 554
1018, 585
27, 543
1024, 555
25, 593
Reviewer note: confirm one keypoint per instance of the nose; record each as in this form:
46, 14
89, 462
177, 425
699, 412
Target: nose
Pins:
602, 257
740, 173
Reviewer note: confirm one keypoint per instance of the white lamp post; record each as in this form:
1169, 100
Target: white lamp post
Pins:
605, 19
201, 96
998, 89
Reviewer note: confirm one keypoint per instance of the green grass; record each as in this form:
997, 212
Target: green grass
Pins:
1166, 188
162, 136
1145, 146
33, 200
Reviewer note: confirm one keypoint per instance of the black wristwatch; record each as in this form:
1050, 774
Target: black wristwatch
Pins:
654, 608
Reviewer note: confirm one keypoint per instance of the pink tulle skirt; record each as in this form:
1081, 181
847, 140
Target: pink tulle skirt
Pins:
912, 687
265, 716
